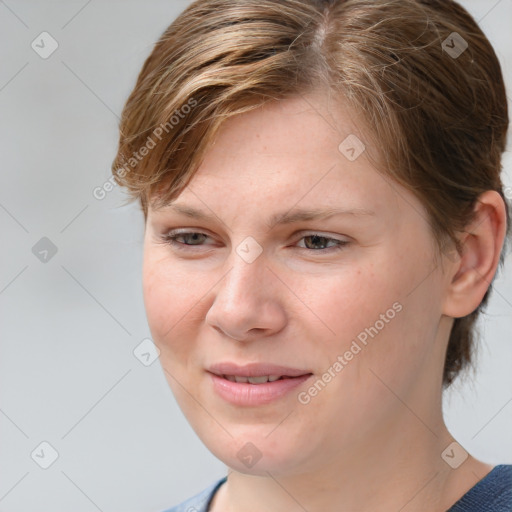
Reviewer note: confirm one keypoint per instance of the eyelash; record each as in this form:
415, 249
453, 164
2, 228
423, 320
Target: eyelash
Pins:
170, 239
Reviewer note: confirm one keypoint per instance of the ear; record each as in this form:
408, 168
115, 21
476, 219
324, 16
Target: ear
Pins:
482, 242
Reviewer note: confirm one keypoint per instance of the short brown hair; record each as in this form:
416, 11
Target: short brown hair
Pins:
440, 117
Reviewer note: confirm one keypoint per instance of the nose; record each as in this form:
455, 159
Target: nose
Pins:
248, 301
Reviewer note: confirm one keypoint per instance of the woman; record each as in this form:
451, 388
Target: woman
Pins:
324, 214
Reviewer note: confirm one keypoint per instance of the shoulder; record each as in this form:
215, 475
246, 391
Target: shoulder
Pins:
199, 502
491, 494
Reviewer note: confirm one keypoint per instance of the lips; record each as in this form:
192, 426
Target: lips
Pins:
255, 384
255, 373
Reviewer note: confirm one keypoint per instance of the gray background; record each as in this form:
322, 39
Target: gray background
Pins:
68, 374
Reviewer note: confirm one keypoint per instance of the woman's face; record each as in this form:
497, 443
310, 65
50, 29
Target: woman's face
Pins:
351, 301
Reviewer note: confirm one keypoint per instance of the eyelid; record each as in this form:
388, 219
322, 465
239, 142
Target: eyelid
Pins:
312, 232
187, 231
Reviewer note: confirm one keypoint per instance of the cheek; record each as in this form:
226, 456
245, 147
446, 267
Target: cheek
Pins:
171, 304
344, 301
385, 312
395, 319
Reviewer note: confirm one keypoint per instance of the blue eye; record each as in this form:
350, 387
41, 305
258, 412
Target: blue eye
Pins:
196, 238
172, 238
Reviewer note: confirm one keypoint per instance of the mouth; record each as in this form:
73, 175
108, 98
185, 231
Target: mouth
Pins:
255, 384
271, 372
255, 380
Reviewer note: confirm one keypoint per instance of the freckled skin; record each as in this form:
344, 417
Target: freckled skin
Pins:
303, 309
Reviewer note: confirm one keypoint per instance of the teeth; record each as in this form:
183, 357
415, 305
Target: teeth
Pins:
253, 380
258, 380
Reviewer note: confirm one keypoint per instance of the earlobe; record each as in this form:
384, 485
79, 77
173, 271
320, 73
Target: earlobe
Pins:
481, 243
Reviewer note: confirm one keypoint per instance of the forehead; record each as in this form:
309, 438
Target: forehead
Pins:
297, 128
288, 154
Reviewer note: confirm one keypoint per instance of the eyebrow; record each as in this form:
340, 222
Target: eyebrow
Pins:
287, 217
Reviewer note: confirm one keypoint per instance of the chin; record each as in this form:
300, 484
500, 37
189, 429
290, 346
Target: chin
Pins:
257, 453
